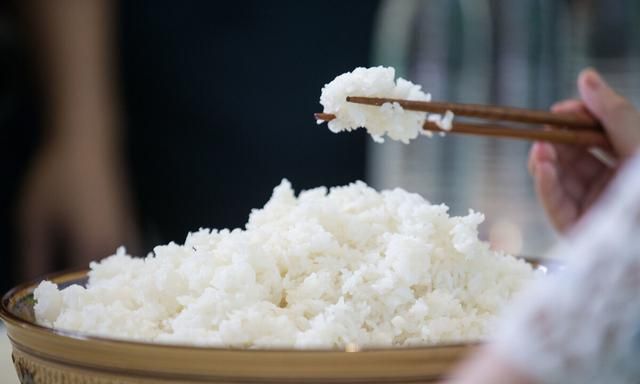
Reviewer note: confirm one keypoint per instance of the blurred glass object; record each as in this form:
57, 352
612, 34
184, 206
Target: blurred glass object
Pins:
526, 54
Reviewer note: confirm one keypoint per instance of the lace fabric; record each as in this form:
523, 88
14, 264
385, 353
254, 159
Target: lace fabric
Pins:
582, 325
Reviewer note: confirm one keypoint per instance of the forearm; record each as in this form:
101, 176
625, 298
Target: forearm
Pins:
73, 41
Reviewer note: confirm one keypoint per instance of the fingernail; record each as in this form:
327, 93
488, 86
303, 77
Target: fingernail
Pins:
592, 80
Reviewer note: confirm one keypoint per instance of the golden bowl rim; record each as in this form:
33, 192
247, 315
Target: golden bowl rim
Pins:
71, 275
25, 288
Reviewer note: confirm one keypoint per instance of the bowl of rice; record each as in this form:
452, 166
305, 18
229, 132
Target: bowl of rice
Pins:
341, 284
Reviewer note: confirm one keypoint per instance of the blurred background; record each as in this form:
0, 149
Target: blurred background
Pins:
135, 122
524, 53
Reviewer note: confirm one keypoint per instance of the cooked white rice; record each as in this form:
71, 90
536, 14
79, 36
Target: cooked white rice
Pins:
324, 269
389, 119
443, 122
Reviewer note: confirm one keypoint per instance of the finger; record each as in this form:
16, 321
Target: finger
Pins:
572, 186
575, 164
558, 188
573, 106
563, 155
577, 161
540, 152
596, 189
618, 116
560, 106
566, 154
569, 153
577, 170
600, 155
586, 166
560, 208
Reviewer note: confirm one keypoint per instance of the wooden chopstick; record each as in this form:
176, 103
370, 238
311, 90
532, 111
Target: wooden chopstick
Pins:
559, 136
488, 112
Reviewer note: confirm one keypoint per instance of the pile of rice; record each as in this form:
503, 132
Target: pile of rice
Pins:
389, 119
325, 269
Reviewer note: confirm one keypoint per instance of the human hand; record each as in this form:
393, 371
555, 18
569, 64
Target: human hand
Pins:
569, 179
74, 195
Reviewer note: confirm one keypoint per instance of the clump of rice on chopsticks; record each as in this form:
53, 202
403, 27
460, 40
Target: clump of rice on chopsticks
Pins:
390, 119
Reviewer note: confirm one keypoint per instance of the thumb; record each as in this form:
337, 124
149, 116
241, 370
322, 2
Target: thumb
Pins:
619, 118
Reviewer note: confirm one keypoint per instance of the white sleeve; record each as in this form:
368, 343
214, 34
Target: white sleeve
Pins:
582, 325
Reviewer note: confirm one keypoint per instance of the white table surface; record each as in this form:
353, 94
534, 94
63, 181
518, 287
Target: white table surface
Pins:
7, 373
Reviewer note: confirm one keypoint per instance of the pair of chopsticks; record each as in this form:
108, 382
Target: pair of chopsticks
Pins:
563, 128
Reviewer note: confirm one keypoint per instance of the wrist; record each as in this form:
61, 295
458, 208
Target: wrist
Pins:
84, 141
94, 129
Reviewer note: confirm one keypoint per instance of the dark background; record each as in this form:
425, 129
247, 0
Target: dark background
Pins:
218, 98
